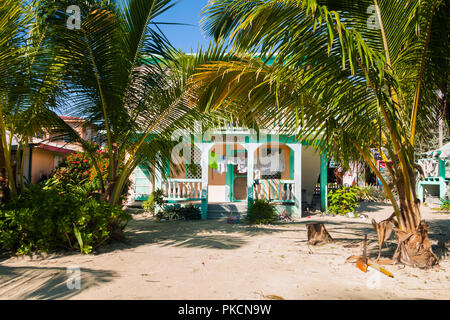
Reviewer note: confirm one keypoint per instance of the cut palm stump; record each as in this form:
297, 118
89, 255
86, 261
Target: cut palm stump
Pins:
317, 234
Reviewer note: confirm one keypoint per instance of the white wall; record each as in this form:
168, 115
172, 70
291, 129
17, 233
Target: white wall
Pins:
310, 172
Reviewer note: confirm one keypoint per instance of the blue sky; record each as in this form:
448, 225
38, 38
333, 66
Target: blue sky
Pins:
184, 37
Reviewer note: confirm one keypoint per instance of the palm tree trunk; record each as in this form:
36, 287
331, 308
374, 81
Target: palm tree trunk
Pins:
414, 246
22, 166
7, 155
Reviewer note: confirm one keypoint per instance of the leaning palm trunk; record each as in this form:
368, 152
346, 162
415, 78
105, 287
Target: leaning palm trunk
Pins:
7, 157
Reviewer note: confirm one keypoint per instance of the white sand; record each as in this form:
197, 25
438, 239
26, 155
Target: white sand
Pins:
215, 260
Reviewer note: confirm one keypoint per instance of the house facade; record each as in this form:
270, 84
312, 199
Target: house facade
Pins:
235, 166
47, 150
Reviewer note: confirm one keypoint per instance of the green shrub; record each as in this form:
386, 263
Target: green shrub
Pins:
177, 212
344, 200
78, 174
261, 212
154, 201
372, 194
47, 220
190, 212
73, 171
445, 205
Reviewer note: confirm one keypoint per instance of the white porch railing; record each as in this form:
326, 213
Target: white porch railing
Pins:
275, 190
182, 189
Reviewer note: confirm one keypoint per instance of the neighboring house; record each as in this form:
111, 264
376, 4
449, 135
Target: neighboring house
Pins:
232, 166
47, 150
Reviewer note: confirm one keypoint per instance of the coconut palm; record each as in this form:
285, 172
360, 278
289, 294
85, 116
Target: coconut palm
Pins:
123, 76
31, 85
352, 75
12, 21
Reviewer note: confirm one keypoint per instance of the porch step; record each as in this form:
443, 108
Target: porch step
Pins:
224, 210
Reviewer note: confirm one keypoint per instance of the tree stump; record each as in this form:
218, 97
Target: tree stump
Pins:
317, 234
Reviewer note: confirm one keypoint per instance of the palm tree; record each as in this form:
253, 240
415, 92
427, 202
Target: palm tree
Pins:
12, 21
353, 75
31, 85
123, 75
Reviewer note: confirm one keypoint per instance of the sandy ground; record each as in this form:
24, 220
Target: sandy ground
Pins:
215, 260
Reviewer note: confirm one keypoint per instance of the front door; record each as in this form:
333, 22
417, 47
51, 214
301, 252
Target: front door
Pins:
236, 178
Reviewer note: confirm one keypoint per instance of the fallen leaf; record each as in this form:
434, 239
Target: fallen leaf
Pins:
274, 297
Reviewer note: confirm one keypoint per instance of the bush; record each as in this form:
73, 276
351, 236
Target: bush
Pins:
73, 171
46, 220
344, 200
445, 205
177, 212
78, 174
372, 194
154, 201
190, 212
261, 212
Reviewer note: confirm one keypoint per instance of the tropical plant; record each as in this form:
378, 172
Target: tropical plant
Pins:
445, 205
372, 193
123, 75
178, 212
351, 79
74, 170
155, 201
39, 220
343, 200
261, 212
31, 86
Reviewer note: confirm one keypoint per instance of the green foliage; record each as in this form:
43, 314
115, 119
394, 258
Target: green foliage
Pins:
78, 174
44, 219
74, 171
344, 200
372, 194
363, 86
261, 212
154, 201
177, 212
445, 205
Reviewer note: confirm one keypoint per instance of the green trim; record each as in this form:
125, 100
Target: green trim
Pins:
324, 182
442, 168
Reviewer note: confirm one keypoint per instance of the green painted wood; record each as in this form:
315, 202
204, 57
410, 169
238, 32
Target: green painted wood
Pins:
324, 182
442, 168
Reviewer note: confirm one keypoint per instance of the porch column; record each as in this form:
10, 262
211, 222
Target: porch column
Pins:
205, 173
442, 168
324, 182
297, 149
251, 148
